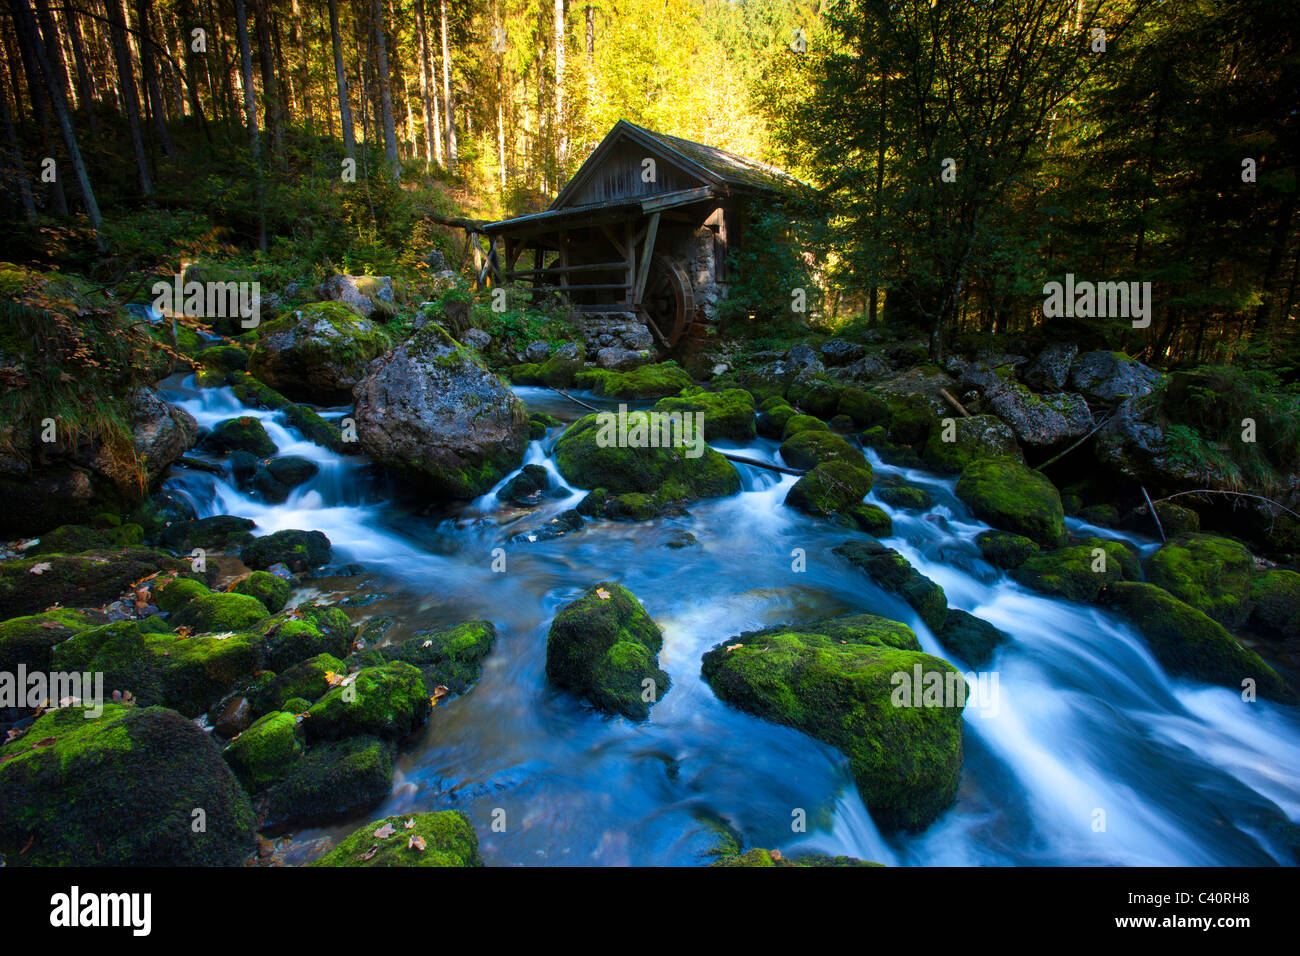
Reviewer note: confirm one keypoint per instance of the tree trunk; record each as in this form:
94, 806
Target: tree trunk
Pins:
28, 47
385, 90
341, 77
591, 56
27, 23
16, 160
126, 86
250, 116
448, 105
432, 133
561, 135
149, 68
272, 108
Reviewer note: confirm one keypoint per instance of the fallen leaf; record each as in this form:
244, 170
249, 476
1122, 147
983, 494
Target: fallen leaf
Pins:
776, 854
374, 848
385, 831
416, 842
427, 644
602, 594
333, 679
40, 568
732, 647
409, 824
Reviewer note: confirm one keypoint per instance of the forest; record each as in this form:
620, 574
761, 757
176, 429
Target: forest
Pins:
317, 318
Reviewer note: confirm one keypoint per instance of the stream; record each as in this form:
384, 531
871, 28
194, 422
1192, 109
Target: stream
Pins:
1084, 719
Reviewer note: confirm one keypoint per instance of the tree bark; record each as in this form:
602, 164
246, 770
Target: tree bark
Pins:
449, 105
561, 136
341, 78
385, 90
149, 69
28, 47
429, 101
126, 86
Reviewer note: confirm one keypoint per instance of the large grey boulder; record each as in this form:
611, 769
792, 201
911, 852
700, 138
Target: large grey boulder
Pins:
429, 412
1111, 377
317, 353
160, 432
369, 296
1050, 370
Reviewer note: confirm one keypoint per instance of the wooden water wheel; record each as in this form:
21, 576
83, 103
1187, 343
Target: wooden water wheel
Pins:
669, 300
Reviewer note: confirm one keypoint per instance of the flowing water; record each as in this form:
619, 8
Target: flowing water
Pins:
1088, 754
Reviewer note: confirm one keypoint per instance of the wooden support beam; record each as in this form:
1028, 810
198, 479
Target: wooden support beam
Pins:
647, 250
582, 267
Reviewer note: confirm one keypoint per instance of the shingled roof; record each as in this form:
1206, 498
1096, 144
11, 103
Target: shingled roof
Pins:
709, 163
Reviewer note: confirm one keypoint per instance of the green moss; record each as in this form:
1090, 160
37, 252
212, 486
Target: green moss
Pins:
1004, 550
450, 656
560, 369
810, 448
728, 415
905, 759
1189, 643
906, 498
273, 592
772, 419
604, 648
308, 681
265, 752
794, 424
872, 520
91, 579
297, 550
251, 391
1077, 572
815, 394
864, 407
1211, 574
75, 538
973, 438
338, 777
648, 381
448, 839
893, 573
830, 489
220, 613
28, 640
911, 420
1010, 496
223, 358
526, 373
973, 640
389, 702
240, 434
119, 790
632, 506
316, 429
1275, 596
175, 594
298, 635
587, 456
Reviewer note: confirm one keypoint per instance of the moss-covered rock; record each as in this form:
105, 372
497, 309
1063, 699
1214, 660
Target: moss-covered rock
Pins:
450, 656
815, 394
562, 367
220, 613
648, 381
90, 579
525, 373
388, 701
846, 688
973, 438
75, 538
28, 640
871, 519
603, 647
305, 632
119, 790
795, 424
1080, 571
1189, 643
810, 448
308, 682
1010, 496
972, 639
245, 433
1275, 597
190, 674
1211, 574
171, 596
445, 838
906, 498
587, 455
331, 779
1005, 550
893, 573
728, 414
317, 353
296, 550
761, 858
864, 407
223, 358
318, 430
265, 752
830, 489
273, 592
216, 533
772, 419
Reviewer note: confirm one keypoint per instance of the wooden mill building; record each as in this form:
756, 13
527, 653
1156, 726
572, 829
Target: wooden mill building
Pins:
644, 228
